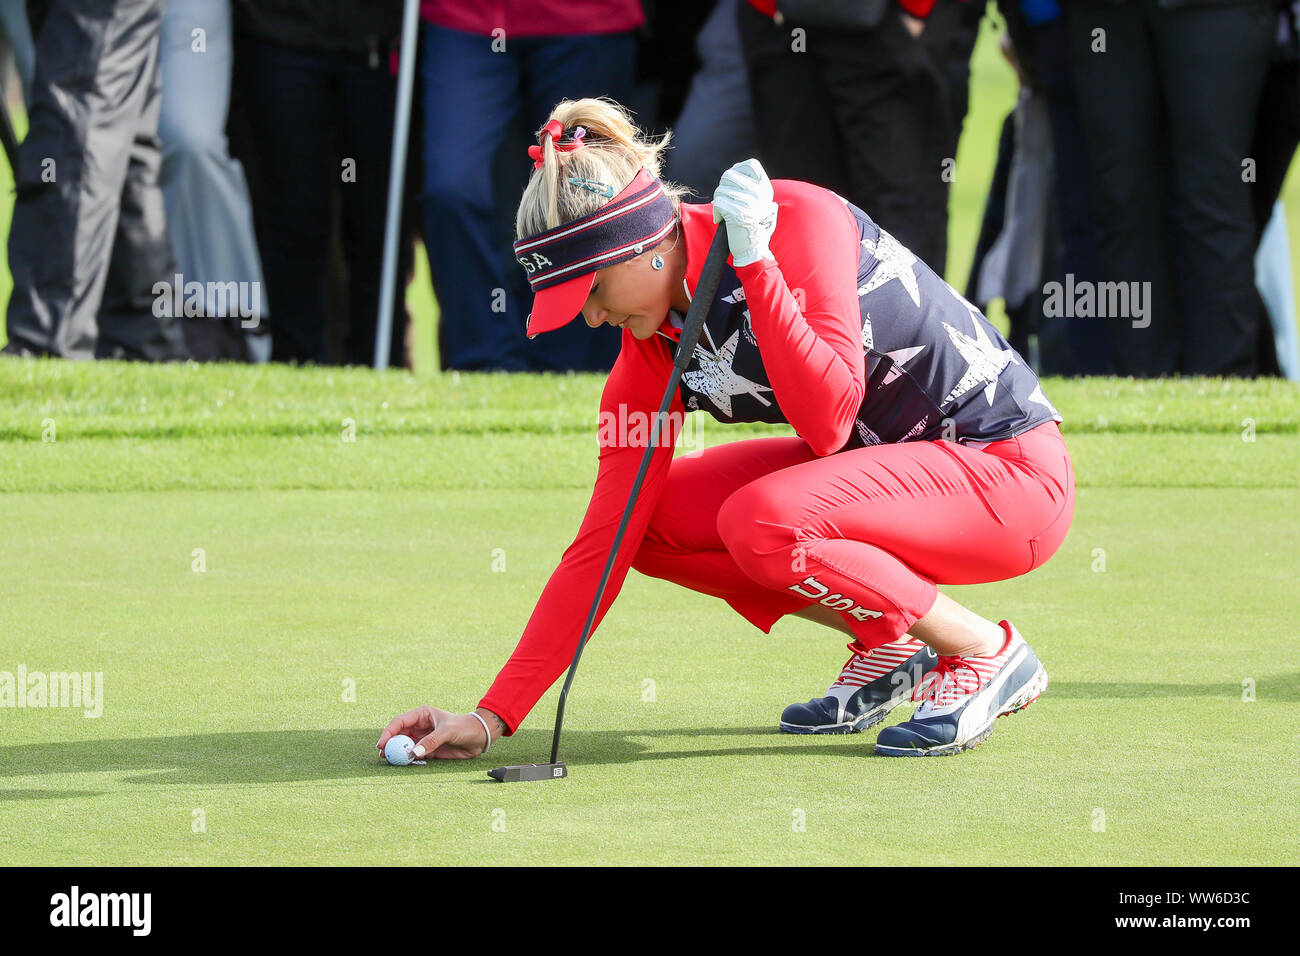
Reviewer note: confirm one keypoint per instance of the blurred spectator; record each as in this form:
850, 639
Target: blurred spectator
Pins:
667, 60
208, 213
321, 110
491, 74
1011, 255
1168, 94
1074, 251
1056, 344
89, 242
1280, 348
1277, 133
13, 21
715, 128
874, 114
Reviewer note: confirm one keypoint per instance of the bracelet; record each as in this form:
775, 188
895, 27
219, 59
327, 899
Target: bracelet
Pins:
475, 714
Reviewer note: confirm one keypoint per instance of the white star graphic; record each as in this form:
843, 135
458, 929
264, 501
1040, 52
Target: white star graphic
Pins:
717, 381
1037, 396
984, 362
894, 262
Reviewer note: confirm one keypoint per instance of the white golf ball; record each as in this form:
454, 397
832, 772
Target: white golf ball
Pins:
398, 750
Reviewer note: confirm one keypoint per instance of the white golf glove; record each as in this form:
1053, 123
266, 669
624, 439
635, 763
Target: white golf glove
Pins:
744, 201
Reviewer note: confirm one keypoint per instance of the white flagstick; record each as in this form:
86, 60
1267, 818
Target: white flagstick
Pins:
396, 174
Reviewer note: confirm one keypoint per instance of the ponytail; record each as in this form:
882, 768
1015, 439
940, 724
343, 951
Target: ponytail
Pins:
572, 182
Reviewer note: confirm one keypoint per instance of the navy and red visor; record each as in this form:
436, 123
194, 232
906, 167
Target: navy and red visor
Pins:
562, 262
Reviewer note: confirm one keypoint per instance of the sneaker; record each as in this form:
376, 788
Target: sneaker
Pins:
964, 697
871, 684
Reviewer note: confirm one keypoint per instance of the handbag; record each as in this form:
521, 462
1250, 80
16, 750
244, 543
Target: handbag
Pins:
833, 14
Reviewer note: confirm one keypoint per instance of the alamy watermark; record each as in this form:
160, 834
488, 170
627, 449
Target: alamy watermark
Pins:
24, 688
75, 908
634, 428
216, 300
1101, 300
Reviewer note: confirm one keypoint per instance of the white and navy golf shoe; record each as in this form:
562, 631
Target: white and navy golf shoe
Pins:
870, 685
962, 699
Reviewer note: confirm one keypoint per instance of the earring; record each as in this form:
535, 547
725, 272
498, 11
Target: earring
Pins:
657, 262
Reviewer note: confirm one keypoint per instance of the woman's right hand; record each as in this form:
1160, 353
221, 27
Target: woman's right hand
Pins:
439, 733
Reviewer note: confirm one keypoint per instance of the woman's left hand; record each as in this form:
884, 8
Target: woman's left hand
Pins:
744, 201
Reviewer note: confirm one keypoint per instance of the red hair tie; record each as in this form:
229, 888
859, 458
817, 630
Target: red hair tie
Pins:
536, 153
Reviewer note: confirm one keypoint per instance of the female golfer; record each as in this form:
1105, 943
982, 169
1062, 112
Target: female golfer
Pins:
926, 452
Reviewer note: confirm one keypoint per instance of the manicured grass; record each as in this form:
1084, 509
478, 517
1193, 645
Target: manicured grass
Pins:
345, 581
371, 561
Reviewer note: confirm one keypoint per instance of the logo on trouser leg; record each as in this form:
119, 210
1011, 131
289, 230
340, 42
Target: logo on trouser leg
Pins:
810, 587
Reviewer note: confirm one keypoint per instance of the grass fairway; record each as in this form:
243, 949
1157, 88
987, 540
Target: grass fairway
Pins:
226, 737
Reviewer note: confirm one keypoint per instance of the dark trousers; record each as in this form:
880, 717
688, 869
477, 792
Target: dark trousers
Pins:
322, 118
89, 236
872, 115
1087, 346
476, 101
1169, 111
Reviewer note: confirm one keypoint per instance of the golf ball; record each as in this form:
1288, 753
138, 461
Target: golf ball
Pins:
398, 750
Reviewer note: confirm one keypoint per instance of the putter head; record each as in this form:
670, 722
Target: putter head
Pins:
530, 771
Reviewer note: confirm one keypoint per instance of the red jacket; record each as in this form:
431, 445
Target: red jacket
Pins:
528, 18
813, 359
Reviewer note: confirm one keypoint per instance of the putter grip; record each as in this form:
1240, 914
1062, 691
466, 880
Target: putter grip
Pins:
705, 289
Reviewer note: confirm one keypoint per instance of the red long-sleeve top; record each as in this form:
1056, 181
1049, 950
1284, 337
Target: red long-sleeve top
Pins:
814, 359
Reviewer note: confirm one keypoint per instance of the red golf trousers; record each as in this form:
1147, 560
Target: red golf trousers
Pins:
770, 528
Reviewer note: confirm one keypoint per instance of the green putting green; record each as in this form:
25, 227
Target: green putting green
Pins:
347, 581
343, 582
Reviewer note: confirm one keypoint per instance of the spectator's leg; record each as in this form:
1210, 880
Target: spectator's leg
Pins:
1277, 133
368, 102
892, 105
1120, 110
1213, 60
573, 67
471, 94
92, 85
292, 119
797, 129
952, 48
142, 251
716, 127
1089, 346
209, 216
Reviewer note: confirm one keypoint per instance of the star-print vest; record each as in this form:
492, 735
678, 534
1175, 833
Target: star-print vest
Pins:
935, 367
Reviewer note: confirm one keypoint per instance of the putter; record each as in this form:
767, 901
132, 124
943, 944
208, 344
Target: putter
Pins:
691, 328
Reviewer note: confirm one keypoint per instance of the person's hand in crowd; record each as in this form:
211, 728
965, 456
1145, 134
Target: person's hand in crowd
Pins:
915, 25
743, 200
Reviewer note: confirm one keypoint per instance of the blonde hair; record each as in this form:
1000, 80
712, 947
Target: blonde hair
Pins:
614, 152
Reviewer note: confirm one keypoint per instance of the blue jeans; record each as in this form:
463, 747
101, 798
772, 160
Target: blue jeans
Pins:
474, 102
